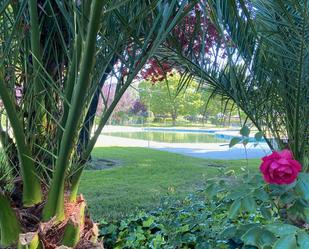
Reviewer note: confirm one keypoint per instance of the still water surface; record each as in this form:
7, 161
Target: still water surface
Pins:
171, 137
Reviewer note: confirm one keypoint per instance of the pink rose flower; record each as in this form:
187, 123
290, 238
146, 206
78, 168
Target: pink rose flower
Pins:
280, 168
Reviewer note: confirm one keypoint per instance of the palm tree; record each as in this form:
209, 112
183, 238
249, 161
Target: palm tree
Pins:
259, 61
54, 56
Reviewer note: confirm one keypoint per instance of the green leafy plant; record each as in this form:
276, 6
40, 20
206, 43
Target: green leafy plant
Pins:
177, 224
245, 137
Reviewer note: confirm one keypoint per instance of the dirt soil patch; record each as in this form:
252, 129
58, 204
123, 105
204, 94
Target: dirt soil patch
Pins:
101, 163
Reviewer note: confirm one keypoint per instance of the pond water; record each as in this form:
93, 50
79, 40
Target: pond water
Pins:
172, 137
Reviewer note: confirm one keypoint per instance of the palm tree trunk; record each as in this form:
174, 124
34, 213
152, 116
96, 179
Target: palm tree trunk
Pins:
31, 186
85, 133
9, 224
55, 203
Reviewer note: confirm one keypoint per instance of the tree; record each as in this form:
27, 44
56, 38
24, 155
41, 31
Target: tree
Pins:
59, 53
164, 98
124, 105
139, 108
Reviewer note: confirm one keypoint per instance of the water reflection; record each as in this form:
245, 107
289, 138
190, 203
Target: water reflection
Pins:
171, 137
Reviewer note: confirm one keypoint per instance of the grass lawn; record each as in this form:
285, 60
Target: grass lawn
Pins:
145, 176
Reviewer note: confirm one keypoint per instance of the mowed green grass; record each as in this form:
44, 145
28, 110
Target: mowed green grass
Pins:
145, 176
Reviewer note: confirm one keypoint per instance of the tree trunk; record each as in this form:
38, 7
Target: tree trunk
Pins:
23, 229
85, 132
9, 224
174, 117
